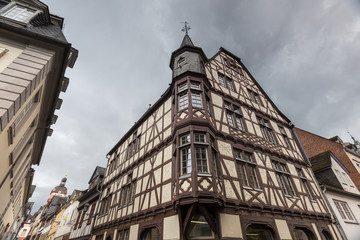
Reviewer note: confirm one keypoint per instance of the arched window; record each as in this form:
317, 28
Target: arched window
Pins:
302, 234
151, 234
326, 235
199, 228
259, 231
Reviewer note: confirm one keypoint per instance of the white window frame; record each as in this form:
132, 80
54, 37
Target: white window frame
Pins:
6, 11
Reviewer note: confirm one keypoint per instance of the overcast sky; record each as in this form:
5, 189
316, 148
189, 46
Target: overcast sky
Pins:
305, 55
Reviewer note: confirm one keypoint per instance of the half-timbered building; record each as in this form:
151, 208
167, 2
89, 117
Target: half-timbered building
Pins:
213, 158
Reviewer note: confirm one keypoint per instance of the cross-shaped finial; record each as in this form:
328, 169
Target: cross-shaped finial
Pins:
186, 28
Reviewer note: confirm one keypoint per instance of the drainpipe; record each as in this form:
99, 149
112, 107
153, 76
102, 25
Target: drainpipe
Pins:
322, 190
333, 213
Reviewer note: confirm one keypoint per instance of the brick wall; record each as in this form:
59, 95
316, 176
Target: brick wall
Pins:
314, 145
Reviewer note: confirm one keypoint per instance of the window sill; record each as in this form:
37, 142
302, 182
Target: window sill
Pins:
185, 176
251, 188
248, 188
204, 174
313, 201
356, 223
258, 189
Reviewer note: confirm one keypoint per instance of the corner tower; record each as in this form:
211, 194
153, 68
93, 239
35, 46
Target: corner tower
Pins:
187, 59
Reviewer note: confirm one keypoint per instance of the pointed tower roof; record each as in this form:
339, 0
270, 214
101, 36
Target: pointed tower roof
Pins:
186, 41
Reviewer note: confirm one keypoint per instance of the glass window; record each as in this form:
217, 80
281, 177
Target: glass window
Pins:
283, 177
181, 62
185, 160
266, 130
151, 234
195, 86
18, 13
199, 137
302, 234
246, 169
196, 100
222, 80
182, 87
259, 232
345, 211
185, 139
201, 160
183, 101
199, 228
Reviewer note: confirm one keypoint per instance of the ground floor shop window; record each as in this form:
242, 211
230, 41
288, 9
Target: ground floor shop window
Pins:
259, 232
302, 234
151, 234
199, 228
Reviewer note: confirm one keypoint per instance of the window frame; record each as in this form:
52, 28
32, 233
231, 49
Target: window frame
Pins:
226, 82
234, 116
283, 177
255, 97
285, 138
4, 12
267, 130
345, 211
246, 168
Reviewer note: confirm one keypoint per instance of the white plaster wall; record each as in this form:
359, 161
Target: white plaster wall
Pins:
352, 230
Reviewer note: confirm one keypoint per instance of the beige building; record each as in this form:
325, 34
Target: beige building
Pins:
213, 158
34, 55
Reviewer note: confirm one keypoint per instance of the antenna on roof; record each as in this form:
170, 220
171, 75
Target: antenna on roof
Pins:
356, 142
186, 28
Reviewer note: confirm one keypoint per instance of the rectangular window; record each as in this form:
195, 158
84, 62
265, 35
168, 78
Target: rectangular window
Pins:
266, 130
305, 184
183, 101
199, 138
196, 100
345, 211
286, 139
201, 160
254, 97
246, 169
18, 13
229, 84
222, 80
195, 86
234, 116
182, 87
185, 160
284, 179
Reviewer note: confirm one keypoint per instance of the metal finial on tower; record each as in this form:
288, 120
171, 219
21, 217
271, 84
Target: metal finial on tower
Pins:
186, 28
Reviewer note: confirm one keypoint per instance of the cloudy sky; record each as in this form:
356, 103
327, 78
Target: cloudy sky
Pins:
305, 55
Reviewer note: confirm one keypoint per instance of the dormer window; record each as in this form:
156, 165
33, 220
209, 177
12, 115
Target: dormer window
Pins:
19, 13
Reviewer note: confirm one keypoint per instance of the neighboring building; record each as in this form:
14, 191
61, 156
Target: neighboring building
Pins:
340, 191
68, 216
34, 55
49, 215
348, 154
88, 207
25, 229
213, 158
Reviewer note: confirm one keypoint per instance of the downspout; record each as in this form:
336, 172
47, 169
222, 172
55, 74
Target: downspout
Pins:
317, 183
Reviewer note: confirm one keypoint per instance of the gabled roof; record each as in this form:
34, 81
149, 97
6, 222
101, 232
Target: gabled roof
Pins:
99, 171
221, 49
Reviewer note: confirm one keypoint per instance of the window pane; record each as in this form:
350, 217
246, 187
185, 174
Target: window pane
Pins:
195, 86
253, 177
258, 232
201, 160
182, 87
199, 137
221, 79
242, 174
229, 84
239, 122
185, 139
196, 100
183, 101
186, 160
230, 119
198, 228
